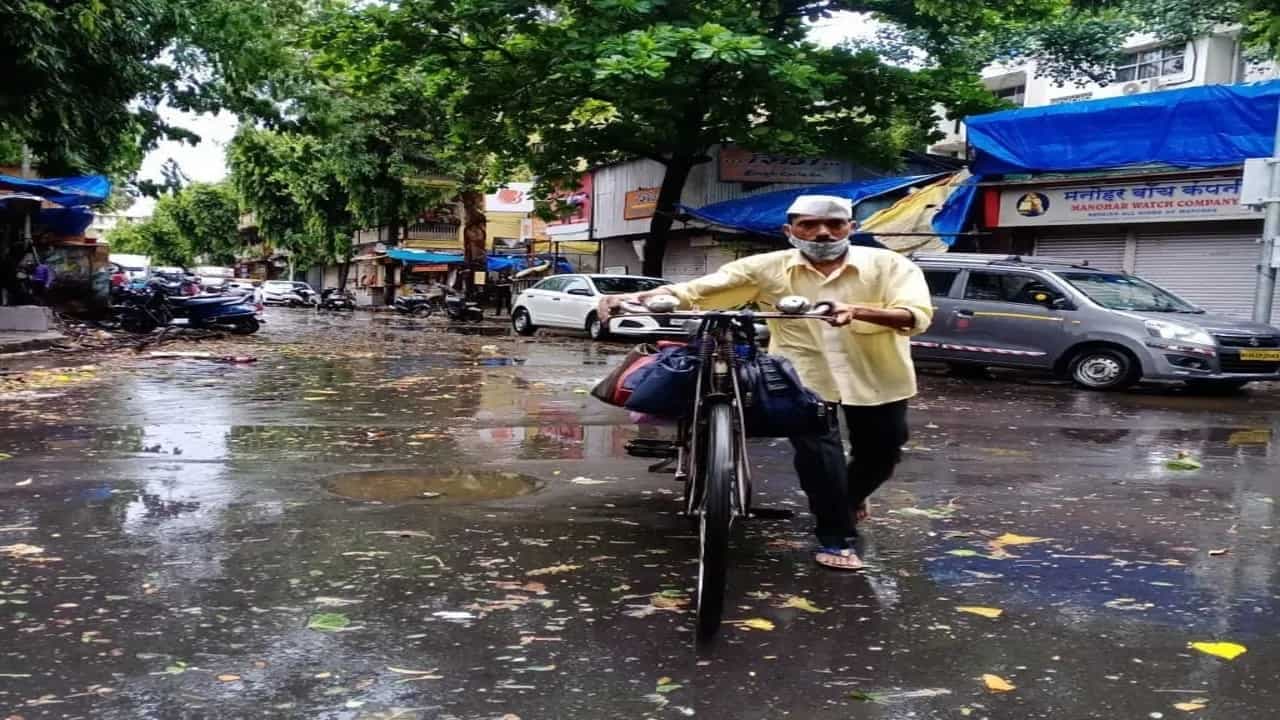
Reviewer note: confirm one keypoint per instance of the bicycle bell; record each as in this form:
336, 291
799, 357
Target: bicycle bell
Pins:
662, 303
793, 305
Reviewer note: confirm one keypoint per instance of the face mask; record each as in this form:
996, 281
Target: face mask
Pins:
820, 251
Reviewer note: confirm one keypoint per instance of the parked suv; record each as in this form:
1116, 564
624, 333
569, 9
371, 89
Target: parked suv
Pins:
1103, 330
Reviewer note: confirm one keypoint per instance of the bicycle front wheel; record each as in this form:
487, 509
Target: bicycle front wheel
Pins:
718, 469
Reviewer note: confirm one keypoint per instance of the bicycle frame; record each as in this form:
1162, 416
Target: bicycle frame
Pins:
717, 339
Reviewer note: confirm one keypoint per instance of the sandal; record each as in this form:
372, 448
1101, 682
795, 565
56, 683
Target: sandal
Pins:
838, 558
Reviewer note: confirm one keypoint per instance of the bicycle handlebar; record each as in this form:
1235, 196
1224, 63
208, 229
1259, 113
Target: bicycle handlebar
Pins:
823, 310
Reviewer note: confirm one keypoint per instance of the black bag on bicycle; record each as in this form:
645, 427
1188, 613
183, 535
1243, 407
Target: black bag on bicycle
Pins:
666, 386
776, 403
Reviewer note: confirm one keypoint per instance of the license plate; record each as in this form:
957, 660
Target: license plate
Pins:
1260, 355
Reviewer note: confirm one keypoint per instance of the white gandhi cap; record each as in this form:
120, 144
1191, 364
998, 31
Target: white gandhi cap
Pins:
825, 206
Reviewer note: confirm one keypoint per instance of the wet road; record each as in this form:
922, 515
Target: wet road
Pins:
170, 547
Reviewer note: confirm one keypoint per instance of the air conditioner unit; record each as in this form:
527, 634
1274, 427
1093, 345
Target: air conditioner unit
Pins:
1140, 86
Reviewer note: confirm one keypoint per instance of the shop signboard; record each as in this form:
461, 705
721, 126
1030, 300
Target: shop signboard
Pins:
745, 166
1155, 200
640, 204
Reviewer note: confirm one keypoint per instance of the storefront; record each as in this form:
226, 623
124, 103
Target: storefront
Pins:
1149, 184
1184, 231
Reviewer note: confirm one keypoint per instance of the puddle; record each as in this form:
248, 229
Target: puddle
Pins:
450, 486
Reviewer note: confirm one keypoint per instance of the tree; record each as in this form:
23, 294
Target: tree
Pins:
582, 82
198, 222
290, 183
83, 81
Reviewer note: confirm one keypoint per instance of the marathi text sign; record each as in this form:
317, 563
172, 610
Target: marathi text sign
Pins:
1167, 201
738, 165
640, 204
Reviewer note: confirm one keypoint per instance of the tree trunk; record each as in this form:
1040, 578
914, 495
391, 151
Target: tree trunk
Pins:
655, 245
474, 250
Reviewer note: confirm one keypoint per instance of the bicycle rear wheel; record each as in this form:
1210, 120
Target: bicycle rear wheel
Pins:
718, 468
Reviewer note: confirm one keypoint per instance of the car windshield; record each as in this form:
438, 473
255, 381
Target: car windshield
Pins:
1126, 292
621, 285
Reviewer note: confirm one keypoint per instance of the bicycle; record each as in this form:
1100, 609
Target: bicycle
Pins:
710, 449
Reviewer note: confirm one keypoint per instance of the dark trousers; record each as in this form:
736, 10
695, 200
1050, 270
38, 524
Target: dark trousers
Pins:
502, 300
836, 487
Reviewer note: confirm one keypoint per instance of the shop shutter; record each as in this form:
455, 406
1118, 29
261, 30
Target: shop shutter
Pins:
1215, 271
1105, 252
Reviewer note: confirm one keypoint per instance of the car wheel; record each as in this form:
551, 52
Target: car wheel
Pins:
1216, 387
595, 328
1103, 369
522, 323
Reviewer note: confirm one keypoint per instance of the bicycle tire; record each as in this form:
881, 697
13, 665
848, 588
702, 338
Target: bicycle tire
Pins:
716, 519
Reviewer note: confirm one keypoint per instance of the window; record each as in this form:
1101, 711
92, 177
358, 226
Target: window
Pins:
1153, 63
577, 284
940, 281
1004, 287
555, 284
620, 285
1016, 94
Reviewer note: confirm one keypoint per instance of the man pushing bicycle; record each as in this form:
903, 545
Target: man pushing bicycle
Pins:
860, 359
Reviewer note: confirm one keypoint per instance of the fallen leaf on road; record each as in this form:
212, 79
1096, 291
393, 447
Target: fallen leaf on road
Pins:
419, 673
752, 624
5, 456
964, 552
424, 436
996, 683
986, 612
23, 483
1127, 604
587, 481
402, 533
1012, 539
934, 513
1257, 436
886, 698
328, 622
1183, 461
799, 603
1191, 706
1225, 650
665, 685
553, 570
1223, 551
334, 602
228, 677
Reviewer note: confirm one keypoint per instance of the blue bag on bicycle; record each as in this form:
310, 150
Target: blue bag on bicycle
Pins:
776, 403
666, 386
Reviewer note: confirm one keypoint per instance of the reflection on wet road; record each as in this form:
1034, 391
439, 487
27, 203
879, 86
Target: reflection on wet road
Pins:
170, 547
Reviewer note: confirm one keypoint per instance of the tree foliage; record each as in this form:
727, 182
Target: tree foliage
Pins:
197, 223
83, 81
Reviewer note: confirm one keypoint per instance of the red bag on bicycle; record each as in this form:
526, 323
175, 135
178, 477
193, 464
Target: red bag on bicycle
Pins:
616, 387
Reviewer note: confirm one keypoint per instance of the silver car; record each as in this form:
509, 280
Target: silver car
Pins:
1103, 330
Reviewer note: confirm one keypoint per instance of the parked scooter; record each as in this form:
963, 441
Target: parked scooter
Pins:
461, 309
335, 299
144, 310
419, 304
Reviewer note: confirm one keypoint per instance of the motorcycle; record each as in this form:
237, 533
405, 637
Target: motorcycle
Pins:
419, 304
334, 299
461, 309
144, 310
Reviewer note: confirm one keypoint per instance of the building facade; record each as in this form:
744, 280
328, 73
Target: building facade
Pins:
1149, 65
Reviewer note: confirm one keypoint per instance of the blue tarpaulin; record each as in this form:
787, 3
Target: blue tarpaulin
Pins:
765, 214
495, 263
1208, 126
68, 191
953, 216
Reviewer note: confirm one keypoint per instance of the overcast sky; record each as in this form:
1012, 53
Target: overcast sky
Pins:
205, 162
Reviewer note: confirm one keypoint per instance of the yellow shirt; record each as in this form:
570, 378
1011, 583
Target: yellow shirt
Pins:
860, 364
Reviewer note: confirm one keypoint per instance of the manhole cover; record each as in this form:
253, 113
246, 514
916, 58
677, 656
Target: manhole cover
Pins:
446, 486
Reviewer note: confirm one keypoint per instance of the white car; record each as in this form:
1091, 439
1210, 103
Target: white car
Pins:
288, 292
569, 301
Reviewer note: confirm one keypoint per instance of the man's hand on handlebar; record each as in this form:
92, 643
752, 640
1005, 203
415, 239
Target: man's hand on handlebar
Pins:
843, 314
609, 304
